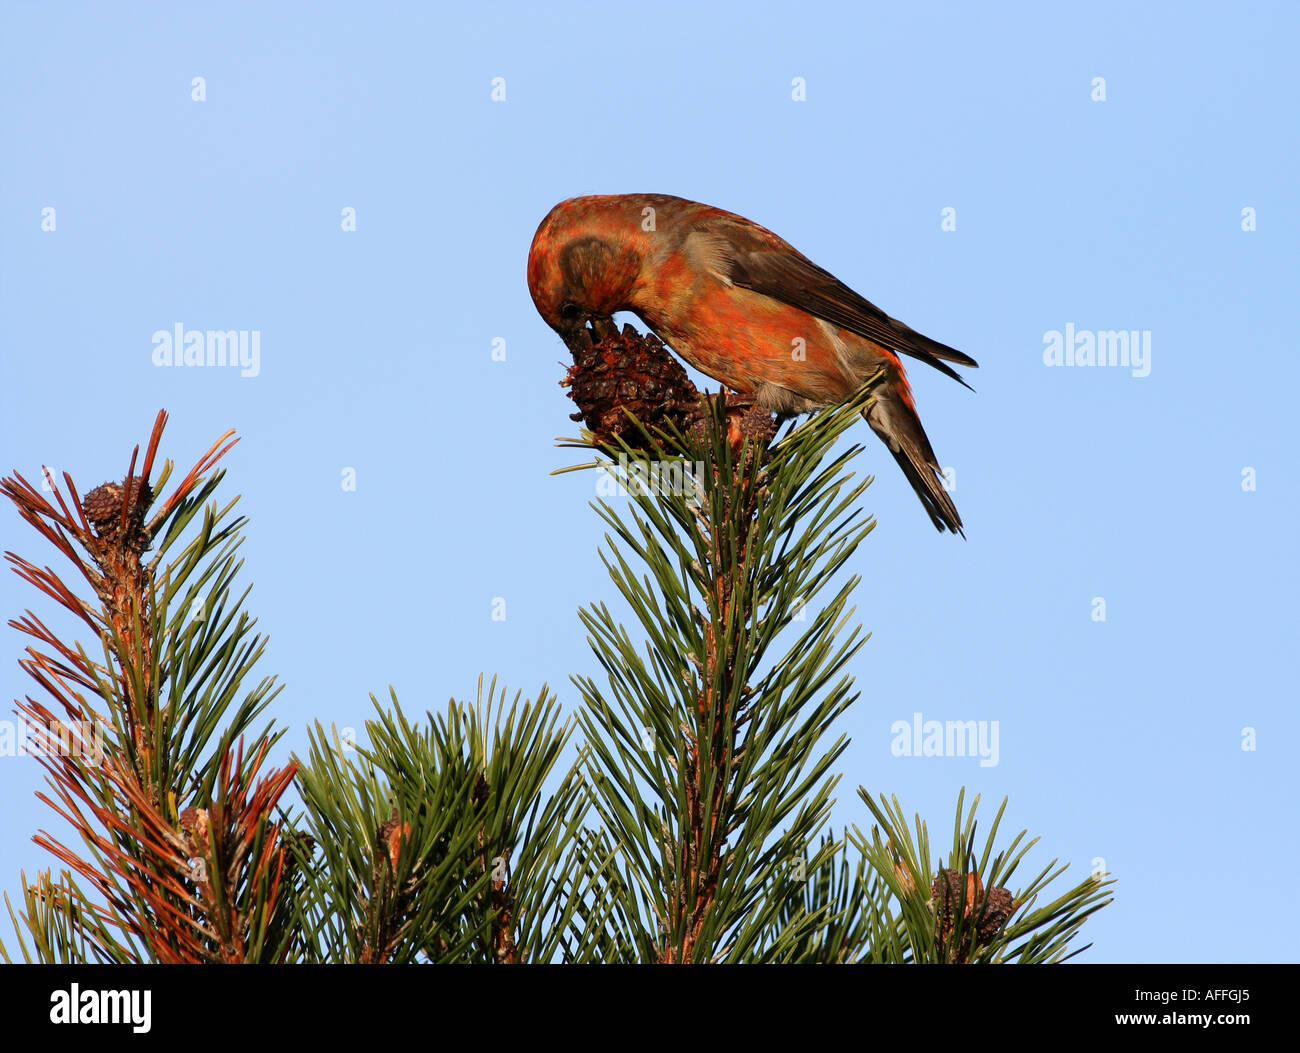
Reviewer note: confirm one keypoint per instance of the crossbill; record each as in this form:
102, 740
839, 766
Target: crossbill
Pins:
743, 306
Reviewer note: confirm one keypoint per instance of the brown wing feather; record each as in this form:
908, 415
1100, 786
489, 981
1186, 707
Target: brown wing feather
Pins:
775, 269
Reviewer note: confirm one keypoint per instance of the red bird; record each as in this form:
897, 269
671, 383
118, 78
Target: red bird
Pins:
742, 305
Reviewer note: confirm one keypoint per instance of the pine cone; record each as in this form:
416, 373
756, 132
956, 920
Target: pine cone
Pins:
990, 910
998, 907
629, 372
103, 505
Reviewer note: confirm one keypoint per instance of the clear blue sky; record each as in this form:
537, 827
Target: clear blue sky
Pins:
1119, 740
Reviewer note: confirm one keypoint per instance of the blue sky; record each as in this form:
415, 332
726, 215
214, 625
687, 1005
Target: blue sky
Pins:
1119, 740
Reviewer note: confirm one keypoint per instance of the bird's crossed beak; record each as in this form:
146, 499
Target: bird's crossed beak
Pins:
588, 331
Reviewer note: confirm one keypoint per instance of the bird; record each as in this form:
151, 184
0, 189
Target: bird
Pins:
743, 306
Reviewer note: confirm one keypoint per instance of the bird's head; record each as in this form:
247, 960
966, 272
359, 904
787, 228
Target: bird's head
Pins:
583, 265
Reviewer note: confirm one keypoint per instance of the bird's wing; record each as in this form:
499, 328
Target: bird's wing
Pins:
754, 258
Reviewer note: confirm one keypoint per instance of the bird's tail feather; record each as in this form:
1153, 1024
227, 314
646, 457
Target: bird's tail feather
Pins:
900, 429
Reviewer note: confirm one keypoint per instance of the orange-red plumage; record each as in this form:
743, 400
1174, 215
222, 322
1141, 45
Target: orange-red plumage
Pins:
741, 305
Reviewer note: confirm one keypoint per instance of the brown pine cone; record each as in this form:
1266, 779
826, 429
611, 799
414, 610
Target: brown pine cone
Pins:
629, 372
103, 505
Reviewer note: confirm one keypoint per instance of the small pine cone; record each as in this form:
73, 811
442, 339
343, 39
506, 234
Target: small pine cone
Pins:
629, 372
990, 910
997, 908
947, 895
296, 837
946, 892
103, 505
756, 425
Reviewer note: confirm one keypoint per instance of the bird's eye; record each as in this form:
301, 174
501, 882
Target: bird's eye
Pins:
569, 311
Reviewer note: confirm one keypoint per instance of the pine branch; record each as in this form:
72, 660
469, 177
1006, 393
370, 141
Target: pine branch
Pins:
436, 843
965, 912
704, 755
174, 820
